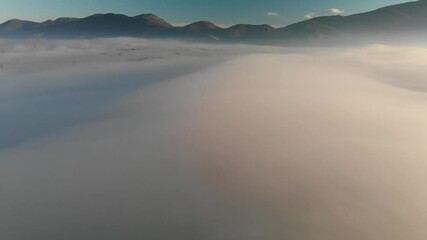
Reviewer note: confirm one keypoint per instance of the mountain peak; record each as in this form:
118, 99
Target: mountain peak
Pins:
153, 20
106, 15
15, 24
147, 16
202, 25
65, 19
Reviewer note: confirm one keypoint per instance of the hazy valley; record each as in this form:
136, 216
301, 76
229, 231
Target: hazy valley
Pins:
130, 138
118, 127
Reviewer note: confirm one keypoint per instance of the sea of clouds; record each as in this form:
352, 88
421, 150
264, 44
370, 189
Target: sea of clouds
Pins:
143, 139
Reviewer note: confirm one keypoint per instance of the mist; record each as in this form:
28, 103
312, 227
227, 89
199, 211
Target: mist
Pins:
143, 139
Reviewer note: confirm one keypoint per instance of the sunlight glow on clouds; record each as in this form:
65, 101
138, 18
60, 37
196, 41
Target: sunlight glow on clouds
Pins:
331, 11
310, 15
336, 11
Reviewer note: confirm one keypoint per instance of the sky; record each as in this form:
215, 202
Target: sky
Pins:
226, 12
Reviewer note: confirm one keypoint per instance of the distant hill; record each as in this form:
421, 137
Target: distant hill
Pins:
14, 26
246, 31
202, 26
405, 19
401, 19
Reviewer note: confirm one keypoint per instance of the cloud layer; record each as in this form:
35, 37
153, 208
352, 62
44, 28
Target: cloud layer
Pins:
271, 143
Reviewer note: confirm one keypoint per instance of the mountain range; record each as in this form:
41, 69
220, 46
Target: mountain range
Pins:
399, 20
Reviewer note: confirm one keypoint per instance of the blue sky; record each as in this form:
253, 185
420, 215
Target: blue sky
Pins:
274, 12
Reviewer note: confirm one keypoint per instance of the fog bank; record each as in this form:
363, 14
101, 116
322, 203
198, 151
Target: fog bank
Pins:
49, 86
234, 143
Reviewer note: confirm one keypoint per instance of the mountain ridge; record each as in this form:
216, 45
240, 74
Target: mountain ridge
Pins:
398, 19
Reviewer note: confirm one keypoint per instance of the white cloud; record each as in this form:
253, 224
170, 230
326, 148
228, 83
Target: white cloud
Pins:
336, 11
330, 11
310, 15
273, 14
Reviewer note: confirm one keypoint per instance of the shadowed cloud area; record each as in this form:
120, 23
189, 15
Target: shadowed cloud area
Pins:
49, 86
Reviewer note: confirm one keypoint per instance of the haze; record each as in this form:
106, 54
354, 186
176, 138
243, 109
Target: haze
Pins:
143, 139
